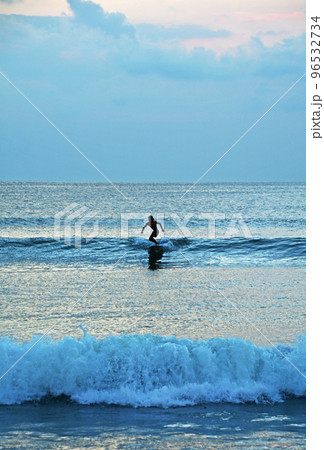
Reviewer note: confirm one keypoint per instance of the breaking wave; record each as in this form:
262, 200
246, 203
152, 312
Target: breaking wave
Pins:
151, 370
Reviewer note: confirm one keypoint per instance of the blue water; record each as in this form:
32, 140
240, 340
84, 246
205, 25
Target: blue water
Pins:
202, 252
93, 320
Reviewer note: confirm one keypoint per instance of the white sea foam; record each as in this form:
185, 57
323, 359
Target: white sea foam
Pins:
150, 370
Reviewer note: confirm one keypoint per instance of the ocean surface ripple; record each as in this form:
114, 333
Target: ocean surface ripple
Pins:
202, 252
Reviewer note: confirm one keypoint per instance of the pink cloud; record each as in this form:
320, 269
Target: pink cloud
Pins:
296, 15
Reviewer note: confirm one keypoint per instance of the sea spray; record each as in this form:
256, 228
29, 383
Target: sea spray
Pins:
151, 370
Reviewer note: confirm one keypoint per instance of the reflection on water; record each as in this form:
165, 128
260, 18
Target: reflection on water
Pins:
155, 255
58, 423
178, 302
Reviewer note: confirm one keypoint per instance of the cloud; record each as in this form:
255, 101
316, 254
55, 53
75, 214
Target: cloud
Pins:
160, 32
93, 44
65, 47
283, 58
269, 33
253, 59
296, 15
92, 15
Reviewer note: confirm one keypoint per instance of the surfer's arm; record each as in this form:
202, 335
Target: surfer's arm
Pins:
144, 227
158, 223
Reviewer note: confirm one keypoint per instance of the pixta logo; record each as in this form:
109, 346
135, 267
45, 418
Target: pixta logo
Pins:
180, 226
68, 224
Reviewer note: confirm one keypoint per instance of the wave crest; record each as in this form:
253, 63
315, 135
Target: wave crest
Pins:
151, 370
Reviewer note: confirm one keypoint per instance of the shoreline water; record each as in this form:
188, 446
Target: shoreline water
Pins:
55, 423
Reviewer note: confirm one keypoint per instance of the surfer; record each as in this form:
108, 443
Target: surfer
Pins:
153, 224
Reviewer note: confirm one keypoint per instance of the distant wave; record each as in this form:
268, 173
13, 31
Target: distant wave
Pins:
151, 370
204, 252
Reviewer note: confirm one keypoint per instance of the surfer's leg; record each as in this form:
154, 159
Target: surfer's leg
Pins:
151, 238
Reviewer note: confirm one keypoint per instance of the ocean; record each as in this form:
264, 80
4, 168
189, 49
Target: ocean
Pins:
105, 346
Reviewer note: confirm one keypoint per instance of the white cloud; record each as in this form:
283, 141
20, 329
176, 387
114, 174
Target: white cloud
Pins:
102, 43
92, 15
159, 32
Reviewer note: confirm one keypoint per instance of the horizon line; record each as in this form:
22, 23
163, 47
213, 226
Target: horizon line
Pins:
148, 182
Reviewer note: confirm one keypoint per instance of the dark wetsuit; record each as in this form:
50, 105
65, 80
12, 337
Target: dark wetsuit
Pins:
155, 231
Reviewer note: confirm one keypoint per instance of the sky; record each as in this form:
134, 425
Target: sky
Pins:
152, 90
